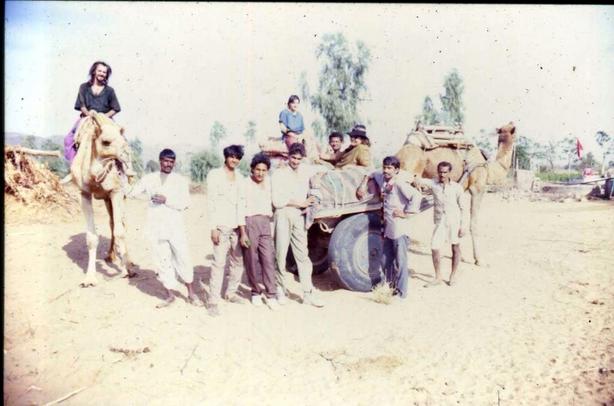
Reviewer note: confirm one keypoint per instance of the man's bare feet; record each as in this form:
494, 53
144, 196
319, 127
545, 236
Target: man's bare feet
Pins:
434, 282
167, 302
452, 281
195, 300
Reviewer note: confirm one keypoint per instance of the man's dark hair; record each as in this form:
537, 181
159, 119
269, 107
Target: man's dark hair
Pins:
260, 159
293, 98
167, 153
296, 148
392, 161
93, 71
444, 163
235, 151
335, 134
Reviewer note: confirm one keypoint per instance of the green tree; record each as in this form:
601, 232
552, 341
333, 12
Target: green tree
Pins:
551, 152
606, 143
137, 156
568, 150
483, 142
452, 100
152, 166
217, 133
429, 114
250, 133
30, 142
341, 81
529, 154
201, 163
59, 166
318, 130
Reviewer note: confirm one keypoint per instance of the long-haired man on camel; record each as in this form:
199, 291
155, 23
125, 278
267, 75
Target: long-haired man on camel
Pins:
95, 96
169, 196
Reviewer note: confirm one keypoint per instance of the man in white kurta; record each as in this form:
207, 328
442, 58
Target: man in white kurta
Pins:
168, 196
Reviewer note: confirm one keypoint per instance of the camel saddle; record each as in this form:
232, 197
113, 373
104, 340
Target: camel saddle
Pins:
431, 137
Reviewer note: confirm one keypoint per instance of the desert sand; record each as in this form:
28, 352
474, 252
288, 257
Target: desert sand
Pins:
534, 326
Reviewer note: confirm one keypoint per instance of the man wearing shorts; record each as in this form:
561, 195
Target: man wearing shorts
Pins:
449, 214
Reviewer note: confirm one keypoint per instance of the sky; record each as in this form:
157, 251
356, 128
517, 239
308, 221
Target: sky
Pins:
178, 67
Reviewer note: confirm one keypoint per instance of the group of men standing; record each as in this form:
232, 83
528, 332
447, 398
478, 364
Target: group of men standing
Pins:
253, 221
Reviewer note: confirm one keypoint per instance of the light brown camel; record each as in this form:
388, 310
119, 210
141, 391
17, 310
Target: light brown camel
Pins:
98, 171
481, 172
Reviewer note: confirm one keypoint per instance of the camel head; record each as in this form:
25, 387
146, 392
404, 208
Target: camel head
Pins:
108, 139
507, 134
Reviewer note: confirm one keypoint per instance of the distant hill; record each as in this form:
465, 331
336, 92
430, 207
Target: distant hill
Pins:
11, 138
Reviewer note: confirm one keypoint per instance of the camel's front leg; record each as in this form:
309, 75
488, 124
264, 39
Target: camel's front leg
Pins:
476, 201
91, 238
119, 231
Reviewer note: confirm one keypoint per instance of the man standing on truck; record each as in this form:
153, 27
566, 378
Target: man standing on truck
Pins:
290, 186
400, 200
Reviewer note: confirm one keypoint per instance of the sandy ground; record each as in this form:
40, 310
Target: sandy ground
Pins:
535, 326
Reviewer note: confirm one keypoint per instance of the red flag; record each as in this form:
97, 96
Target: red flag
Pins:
579, 148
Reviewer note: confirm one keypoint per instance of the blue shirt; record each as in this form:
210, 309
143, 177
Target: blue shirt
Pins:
292, 121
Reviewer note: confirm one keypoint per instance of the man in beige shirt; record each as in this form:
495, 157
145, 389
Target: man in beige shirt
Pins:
290, 189
448, 215
226, 215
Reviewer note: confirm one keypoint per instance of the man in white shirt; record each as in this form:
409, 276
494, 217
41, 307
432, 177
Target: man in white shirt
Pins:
449, 215
260, 253
169, 196
290, 188
226, 213
400, 200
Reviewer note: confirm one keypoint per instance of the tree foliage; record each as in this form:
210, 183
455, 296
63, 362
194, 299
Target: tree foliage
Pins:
217, 134
341, 81
30, 142
429, 115
606, 143
152, 166
250, 133
59, 166
202, 162
452, 101
137, 156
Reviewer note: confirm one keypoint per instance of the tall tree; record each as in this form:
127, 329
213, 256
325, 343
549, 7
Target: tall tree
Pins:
152, 166
201, 163
137, 156
429, 114
250, 133
341, 81
452, 100
568, 150
606, 143
218, 133
30, 142
55, 165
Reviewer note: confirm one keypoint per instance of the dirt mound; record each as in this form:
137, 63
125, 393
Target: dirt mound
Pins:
32, 192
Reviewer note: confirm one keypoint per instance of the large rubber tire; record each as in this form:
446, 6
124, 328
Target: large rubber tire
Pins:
355, 252
317, 244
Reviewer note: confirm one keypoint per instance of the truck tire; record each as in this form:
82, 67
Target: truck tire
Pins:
355, 251
317, 244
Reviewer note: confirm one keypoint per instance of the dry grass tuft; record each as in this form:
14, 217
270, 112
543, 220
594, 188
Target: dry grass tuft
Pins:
382, 293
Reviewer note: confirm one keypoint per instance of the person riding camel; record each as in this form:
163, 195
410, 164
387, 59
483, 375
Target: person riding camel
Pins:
95, 96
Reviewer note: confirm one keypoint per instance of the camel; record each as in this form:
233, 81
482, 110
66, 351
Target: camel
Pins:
469, 167
98, 171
